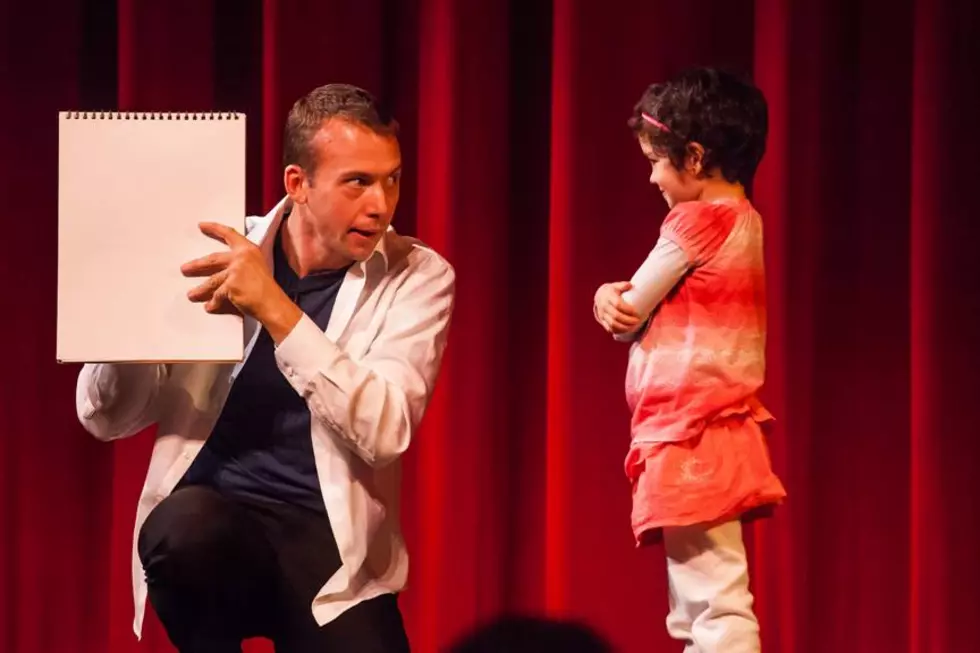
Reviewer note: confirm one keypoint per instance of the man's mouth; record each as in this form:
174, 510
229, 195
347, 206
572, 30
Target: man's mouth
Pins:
365, 233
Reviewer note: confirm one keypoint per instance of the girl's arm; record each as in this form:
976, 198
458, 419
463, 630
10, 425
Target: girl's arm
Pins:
663, 268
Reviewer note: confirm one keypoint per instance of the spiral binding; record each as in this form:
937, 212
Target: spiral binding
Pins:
150, 115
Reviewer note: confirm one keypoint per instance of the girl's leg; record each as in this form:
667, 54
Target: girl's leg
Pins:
681, 617
711, 605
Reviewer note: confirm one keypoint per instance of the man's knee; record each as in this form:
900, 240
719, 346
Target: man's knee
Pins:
192, 527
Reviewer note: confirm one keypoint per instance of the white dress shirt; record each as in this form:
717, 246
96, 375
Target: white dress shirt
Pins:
367, 381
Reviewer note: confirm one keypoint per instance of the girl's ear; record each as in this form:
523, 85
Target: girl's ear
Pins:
694, 160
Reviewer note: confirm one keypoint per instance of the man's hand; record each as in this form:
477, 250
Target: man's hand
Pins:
612, 312
240, 280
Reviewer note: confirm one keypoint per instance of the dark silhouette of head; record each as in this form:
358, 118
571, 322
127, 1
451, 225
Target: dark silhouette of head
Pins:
524, 634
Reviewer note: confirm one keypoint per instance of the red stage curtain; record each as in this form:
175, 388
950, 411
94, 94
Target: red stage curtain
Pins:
520, 169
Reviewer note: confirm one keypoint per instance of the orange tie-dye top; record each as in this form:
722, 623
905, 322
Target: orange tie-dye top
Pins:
702, 355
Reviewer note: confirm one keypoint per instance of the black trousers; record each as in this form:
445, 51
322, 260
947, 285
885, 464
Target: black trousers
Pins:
220, 571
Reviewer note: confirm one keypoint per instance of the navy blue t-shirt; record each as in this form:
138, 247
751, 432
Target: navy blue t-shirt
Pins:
261, 447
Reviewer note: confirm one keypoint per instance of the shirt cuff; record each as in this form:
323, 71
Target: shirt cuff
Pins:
629, 336
305, 353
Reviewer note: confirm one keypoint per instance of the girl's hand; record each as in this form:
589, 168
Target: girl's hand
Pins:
612, 312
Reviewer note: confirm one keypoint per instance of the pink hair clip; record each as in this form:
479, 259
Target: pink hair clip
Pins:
656, 123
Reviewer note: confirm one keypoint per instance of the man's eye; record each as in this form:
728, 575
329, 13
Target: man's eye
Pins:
359, 181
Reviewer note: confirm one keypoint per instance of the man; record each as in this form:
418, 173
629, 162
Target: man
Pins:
270, 506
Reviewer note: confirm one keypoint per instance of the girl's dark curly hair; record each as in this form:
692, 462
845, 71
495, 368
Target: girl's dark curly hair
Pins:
722, 112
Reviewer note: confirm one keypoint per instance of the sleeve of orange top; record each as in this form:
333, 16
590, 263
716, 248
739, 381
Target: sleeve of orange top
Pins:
699, 228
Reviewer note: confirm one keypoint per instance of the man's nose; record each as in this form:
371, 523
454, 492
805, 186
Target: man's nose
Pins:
377, 201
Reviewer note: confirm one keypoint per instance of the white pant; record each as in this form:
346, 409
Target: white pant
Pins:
710, 602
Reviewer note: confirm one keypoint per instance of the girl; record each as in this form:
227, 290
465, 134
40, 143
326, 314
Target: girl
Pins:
695, 311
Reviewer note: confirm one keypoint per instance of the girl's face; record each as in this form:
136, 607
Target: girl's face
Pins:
675, 185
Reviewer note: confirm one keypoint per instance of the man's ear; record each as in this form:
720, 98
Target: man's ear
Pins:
296, 183
694, 159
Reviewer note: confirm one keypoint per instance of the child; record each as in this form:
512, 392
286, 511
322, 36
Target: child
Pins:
695, 311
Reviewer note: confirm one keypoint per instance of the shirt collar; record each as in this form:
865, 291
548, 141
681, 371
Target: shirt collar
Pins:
380, 250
